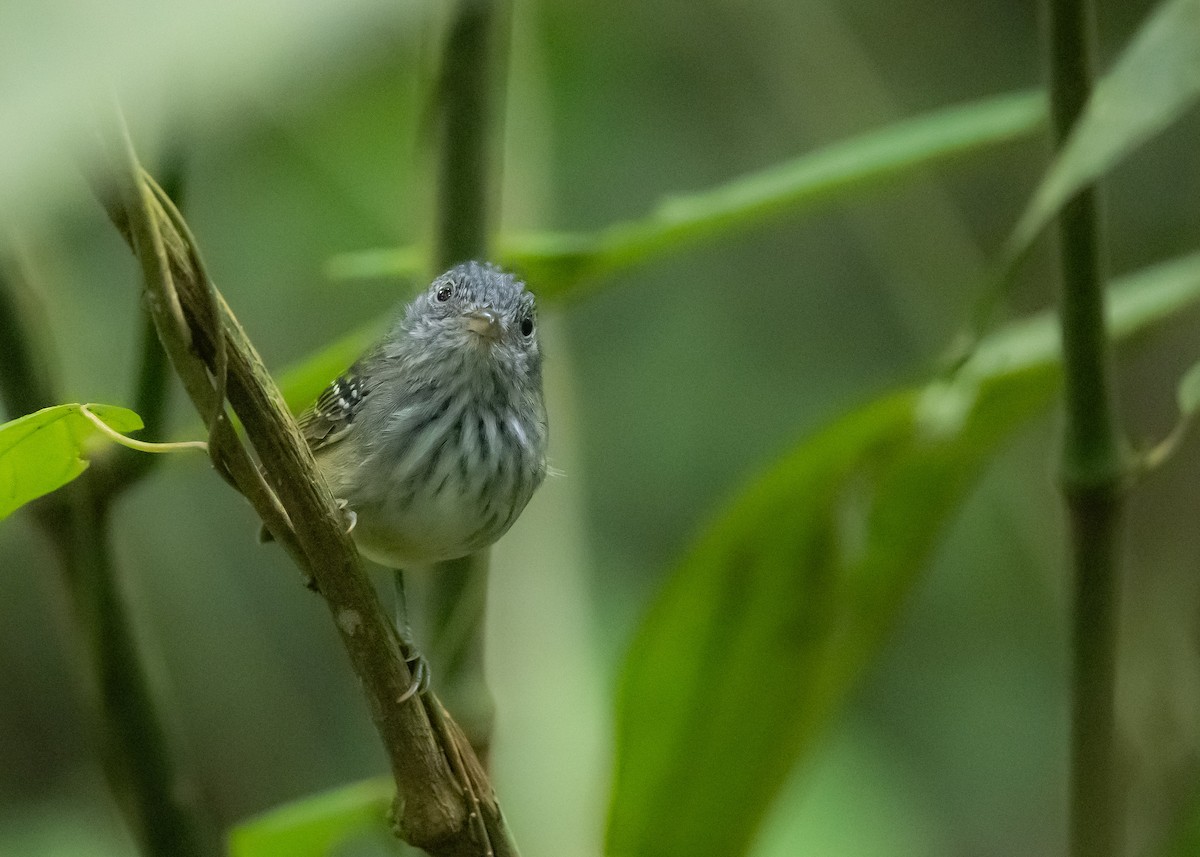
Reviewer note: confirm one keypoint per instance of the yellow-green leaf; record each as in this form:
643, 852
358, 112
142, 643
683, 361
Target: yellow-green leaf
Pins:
43, 451
1188, 394
302, 383
313, 826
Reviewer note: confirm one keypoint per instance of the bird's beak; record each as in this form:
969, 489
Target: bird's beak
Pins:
484, 323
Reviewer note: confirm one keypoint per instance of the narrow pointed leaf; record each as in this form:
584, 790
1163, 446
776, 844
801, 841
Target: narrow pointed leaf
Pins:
766, 625
556, 263
1153, 82
1189, 391
313, 826
302, 383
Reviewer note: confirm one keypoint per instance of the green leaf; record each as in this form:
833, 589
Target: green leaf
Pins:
231, 53
302, 383
1155, 80
769, 621
1183, 836
42, 451
556, 263
1188, 394
311, 827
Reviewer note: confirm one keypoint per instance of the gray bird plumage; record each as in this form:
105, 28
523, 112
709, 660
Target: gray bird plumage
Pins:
436, 437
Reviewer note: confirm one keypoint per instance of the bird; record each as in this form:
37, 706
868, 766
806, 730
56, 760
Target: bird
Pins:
434, 440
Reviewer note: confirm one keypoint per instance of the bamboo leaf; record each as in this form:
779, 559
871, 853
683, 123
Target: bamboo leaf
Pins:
1155, 80
302, 383
313, 826
1188, 394
558, 263
768, 622
43, 451
229, 52
1183, 836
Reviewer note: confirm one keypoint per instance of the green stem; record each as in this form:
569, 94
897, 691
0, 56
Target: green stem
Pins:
139, 445
472, 63
1094, 467
26, 384
157, 801
135, 749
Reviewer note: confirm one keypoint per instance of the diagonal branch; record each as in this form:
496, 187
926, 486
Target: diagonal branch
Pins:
441, 805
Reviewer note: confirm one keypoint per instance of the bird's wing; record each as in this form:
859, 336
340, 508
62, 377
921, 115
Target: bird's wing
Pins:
329, 418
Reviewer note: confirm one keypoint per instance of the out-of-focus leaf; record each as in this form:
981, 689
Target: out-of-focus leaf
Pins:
768, 622
405, 262
1134, 303
311, 827
1183, 839
61, 60
302, 383
1188, 394
1155, 80
556, 263
42, 451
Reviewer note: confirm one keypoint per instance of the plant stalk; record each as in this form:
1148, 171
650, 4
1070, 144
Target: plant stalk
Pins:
157, 800
470, 93
1094, 468
155, 796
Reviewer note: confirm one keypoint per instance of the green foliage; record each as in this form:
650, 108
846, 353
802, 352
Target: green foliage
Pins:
302, 383
766, 625
1188, 394
773, 615
558, 263
43, 451
1156, 79
1184, 839
313, 826
126, 44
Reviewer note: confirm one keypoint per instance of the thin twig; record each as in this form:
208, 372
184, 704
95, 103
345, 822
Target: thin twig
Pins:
139, 445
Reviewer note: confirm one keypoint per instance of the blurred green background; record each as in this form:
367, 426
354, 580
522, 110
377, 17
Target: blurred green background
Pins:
302, 130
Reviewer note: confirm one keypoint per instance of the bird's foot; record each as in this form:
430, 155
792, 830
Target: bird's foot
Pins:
419, 668
348, 514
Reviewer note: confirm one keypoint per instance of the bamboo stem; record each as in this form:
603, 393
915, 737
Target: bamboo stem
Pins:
1093, 468
470, 89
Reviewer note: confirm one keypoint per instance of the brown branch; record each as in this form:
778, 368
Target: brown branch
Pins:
435, 807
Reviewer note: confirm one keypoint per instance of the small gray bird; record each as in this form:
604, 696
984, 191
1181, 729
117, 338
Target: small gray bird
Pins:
435, 439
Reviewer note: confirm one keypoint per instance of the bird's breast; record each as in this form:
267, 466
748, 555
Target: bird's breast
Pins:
449, 480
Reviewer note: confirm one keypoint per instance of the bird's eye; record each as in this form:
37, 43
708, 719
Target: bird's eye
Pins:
527, 326
445, 293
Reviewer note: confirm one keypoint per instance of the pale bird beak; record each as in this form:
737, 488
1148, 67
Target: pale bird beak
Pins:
483, 322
